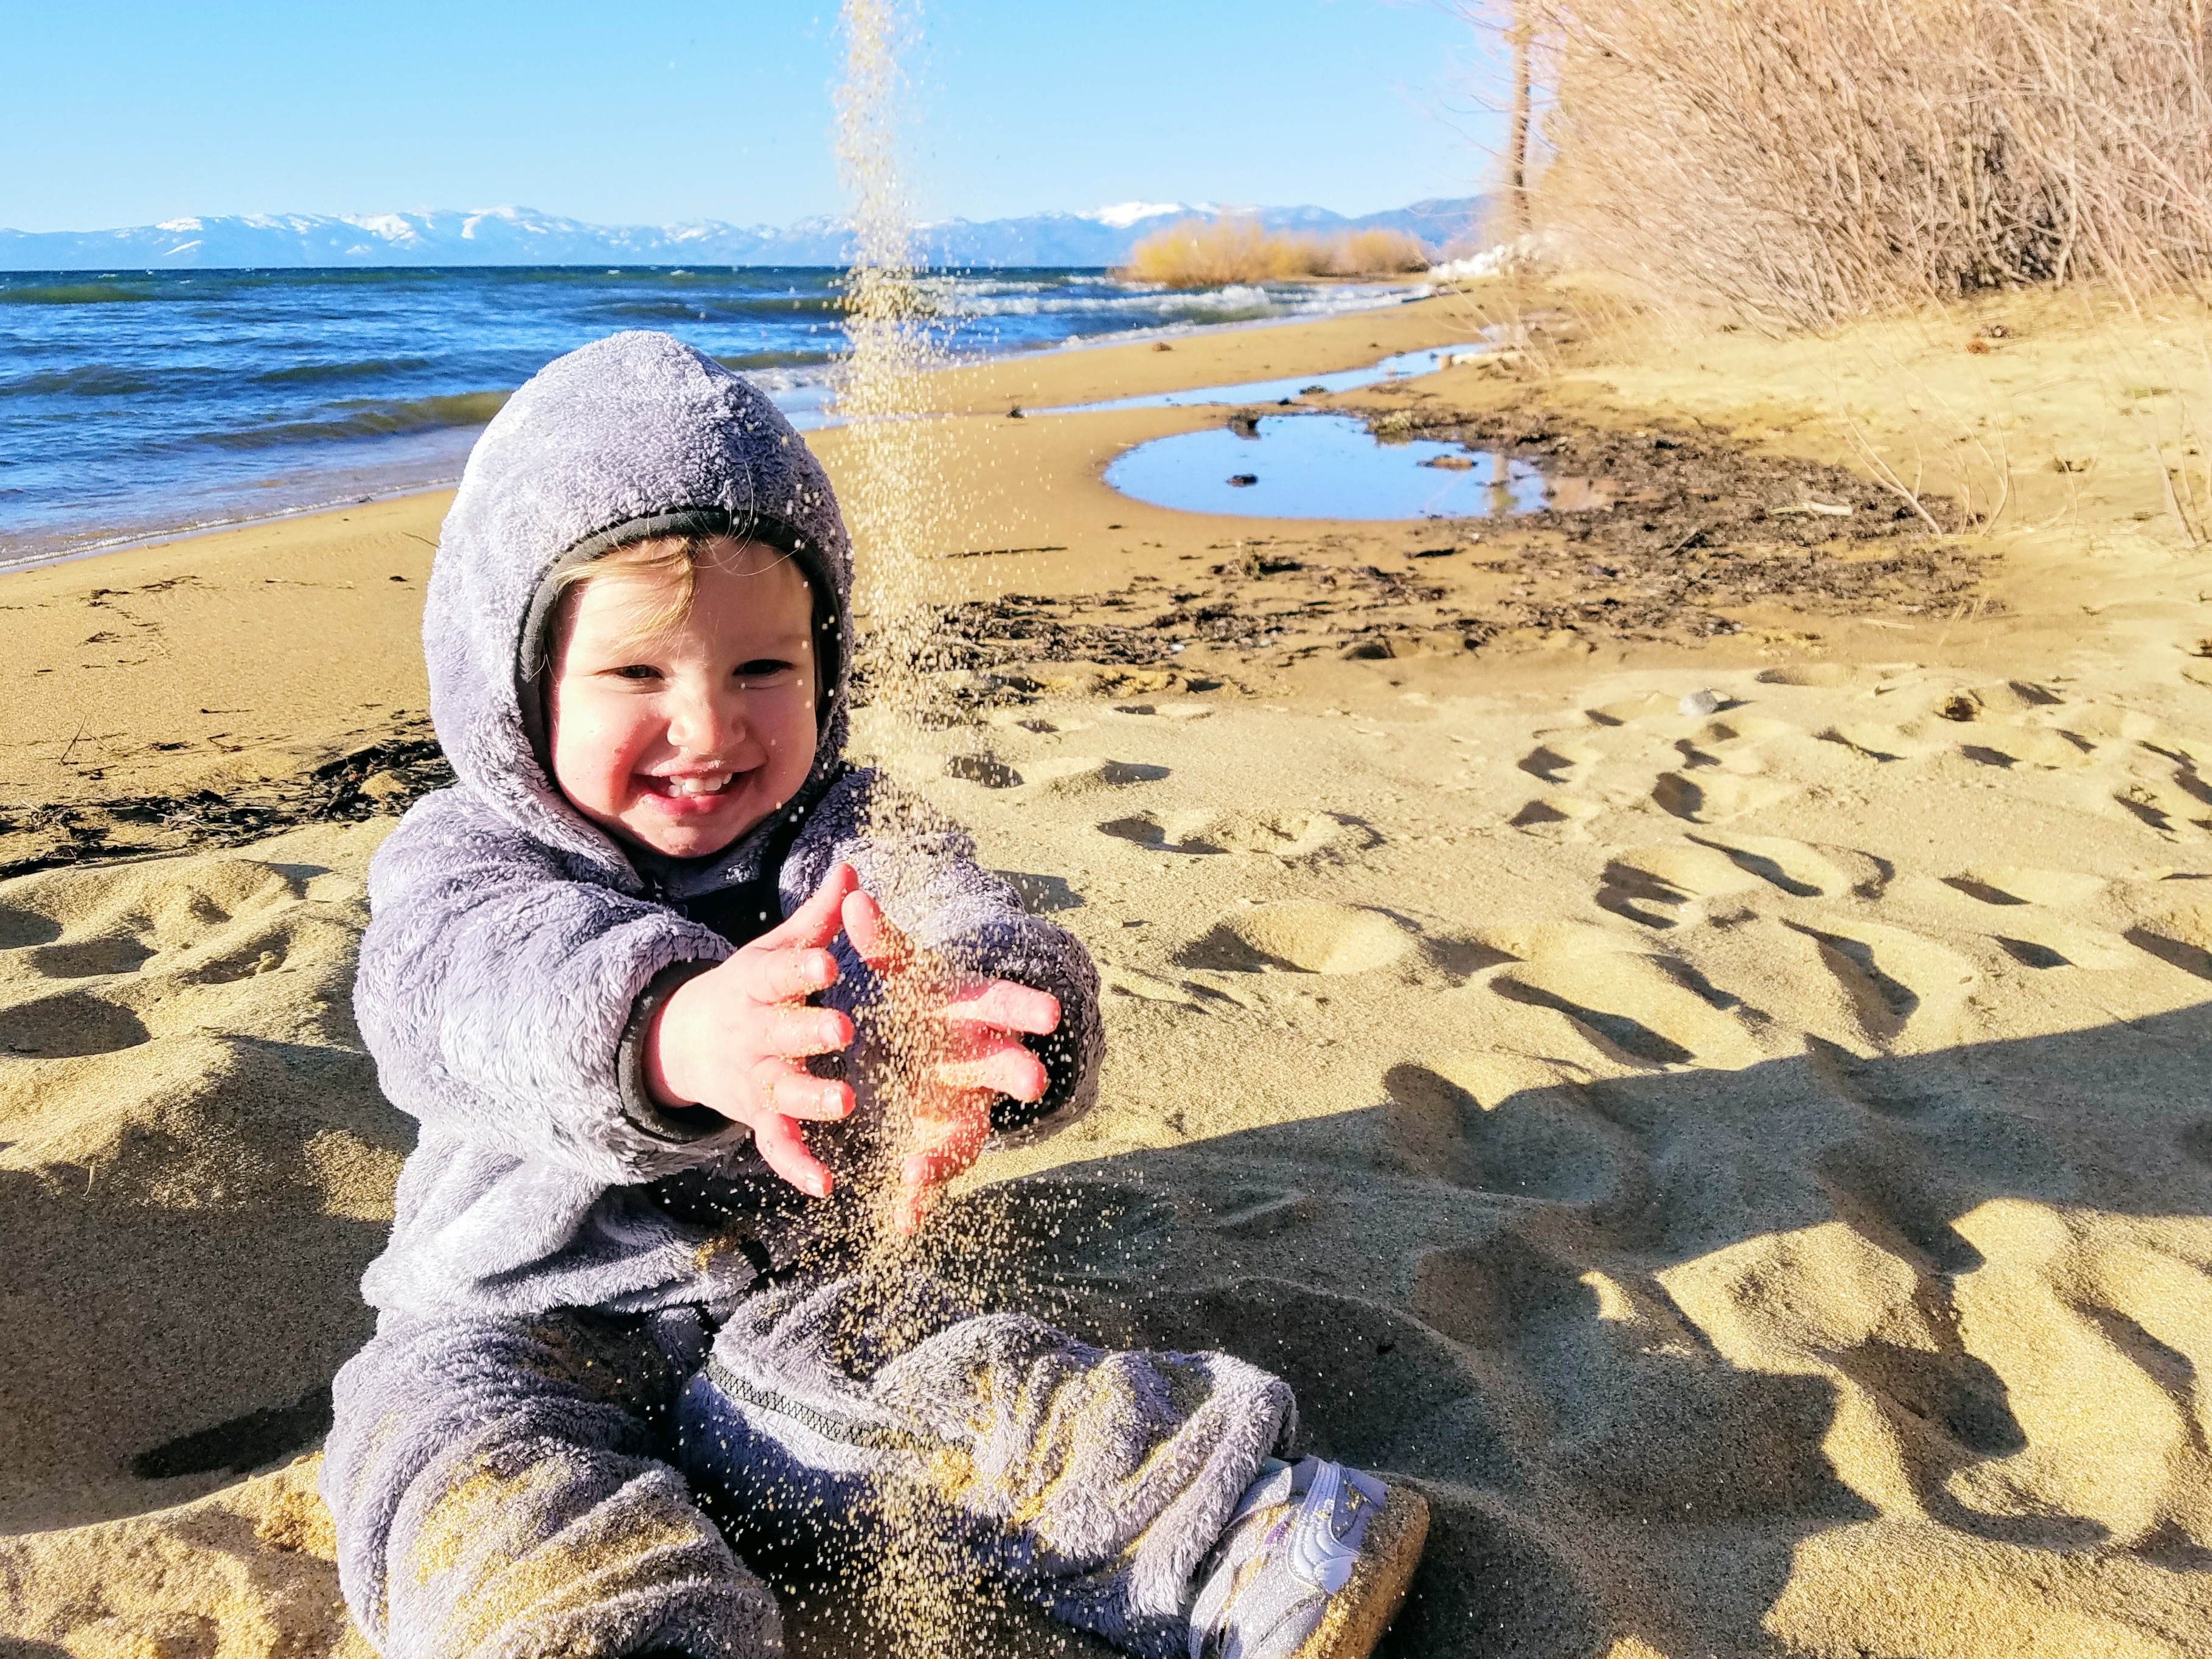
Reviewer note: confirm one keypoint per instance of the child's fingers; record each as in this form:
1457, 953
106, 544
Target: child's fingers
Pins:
1009, 1069
950, 1131
912, 1204
1002, 1003
789, 974
875, 941
955, 1125
814, 923
779, 1086
796, 1032
922, 1181
784, 1152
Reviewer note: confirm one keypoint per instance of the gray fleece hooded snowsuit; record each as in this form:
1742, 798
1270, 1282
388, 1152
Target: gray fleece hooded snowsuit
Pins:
503, 1468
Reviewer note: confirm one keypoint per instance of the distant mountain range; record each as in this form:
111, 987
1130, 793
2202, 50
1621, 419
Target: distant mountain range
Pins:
520, 236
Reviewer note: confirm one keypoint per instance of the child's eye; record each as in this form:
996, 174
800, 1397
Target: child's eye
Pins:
637, 671
762, 668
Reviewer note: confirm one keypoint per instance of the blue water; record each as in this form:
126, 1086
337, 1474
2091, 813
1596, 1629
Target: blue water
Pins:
1331, 466
135, 405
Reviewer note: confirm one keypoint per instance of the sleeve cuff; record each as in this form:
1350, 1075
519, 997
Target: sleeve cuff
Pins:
676, 1124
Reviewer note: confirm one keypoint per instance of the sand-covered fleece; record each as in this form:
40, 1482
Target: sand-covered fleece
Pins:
1750, 1167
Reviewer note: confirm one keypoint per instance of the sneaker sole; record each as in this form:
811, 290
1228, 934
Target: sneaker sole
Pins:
1360, 1612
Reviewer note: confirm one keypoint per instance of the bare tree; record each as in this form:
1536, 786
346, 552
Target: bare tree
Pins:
1522, 35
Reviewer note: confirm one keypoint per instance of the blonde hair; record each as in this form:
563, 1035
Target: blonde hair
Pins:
670, 563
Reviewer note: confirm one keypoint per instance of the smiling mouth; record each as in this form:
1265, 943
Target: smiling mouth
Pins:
694, 785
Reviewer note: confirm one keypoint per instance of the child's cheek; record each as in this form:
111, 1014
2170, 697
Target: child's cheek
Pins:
591, 748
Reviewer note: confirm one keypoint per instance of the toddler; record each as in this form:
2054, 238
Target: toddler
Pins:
626, 974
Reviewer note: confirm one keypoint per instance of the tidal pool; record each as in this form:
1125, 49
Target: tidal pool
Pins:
1331, 466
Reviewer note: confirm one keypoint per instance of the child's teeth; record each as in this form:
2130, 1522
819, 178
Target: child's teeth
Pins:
697, 786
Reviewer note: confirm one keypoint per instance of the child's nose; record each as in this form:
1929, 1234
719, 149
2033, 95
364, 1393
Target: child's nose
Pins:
701, 721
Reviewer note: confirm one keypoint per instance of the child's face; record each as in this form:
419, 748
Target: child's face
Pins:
684, 740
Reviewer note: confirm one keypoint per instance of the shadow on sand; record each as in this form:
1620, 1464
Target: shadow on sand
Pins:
1491, 1303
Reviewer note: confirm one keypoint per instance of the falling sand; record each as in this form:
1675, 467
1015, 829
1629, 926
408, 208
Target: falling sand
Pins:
915, 1591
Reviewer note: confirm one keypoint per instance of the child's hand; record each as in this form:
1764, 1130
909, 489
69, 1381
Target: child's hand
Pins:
737, 1037
972, 1029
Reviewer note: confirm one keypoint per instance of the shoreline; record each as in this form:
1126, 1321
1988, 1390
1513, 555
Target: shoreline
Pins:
807, 416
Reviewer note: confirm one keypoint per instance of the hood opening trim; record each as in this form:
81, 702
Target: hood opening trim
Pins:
532, 657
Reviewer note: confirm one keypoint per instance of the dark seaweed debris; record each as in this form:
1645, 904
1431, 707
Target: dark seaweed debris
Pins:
1678, 485
383, 777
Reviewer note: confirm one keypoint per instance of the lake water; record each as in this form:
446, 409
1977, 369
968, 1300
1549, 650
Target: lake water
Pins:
1331, 466
139, 404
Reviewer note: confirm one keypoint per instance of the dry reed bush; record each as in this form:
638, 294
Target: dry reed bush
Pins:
1206, 252
1373, 253
1800, 161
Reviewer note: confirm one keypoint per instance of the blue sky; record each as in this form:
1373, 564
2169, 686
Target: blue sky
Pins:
653, 110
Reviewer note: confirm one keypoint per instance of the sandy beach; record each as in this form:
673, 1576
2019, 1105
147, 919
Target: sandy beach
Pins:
1744, 1156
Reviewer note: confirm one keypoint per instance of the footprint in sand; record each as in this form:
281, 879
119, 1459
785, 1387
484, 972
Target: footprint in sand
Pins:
1551, 940
20, 929
1557, 763
1305, 936
1166, 711
1547, 811
1650, 885
2016, 883
1879, 743
165, 923
1492, 1293
1122, 981
1288, 835
1637, 1012
1800, 870
2012, 902
1895, 982
2183, 776
156, 905
68, 1026
1620, 1038
2165, 943
88, 958
2049, 751
2156, 811
1632, 891
1542, 1142
1070, 1230
1247, 1212
1628, 710
1041, 896
1079, 774
1823, 676
1709, 799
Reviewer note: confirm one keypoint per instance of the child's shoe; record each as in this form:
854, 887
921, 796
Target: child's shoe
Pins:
1312, 1565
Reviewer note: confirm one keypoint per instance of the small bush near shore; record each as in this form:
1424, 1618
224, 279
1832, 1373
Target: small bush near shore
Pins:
1205, 253
1803, 161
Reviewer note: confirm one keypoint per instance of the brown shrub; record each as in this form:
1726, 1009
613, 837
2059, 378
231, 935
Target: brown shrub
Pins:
1205, 253
1801, 160
1374, 253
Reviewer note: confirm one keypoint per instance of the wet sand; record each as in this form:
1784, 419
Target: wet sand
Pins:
1749, 1164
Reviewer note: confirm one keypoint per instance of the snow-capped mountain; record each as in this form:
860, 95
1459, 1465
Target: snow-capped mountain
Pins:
522, 236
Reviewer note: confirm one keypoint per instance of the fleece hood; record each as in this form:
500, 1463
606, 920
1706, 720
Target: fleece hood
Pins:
633, 436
